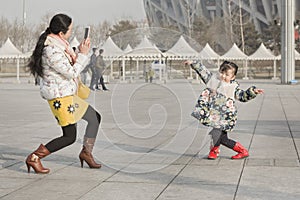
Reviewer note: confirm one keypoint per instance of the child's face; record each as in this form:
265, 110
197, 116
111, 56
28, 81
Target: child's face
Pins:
227, 75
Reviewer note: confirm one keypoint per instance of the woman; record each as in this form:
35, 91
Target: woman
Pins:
59, 68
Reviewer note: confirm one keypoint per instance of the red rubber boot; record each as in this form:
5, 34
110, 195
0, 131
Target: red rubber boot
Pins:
242, 152
214, 153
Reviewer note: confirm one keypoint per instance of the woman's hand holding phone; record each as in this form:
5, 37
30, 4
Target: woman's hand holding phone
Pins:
86, 32
84, 46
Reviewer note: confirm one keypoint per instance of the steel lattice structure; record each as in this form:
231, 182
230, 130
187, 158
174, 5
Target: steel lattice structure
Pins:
181, 13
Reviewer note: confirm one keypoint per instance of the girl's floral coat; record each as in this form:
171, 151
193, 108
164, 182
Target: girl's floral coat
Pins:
216, 104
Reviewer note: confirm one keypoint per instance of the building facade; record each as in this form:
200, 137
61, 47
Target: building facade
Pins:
181, 13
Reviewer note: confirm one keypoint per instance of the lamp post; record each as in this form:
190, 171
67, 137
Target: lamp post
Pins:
287, 42
189, 31
23, 24
230, 20
241, 26
24, 12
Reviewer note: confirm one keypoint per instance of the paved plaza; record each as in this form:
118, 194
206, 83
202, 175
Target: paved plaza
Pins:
151, 148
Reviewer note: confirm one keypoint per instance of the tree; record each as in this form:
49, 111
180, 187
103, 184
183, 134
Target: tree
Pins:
124, 33
272, 37
102, 31
20, 35
121, 26
251, 38
164, 38
4, 30
219, 36
200, 31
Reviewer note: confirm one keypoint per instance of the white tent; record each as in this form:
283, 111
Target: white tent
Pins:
234, 53
297, 56
145, 50
127, 49
181, 50
207, 53
8, 50
74, 42
111, 50
262, 53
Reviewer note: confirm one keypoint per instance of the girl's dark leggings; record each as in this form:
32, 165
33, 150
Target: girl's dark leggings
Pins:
93, 119
220, 137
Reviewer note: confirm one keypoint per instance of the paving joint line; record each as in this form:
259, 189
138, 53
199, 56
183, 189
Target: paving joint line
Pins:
290, 130
244, 162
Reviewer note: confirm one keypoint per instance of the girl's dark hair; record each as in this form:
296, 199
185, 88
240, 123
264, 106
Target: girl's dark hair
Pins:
59, 23
228, 65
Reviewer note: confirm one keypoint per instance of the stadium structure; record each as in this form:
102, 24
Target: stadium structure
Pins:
181, 13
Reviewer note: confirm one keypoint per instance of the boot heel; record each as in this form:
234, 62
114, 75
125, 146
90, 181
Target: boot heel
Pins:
81, 162
86, 153
28, 167
34, 160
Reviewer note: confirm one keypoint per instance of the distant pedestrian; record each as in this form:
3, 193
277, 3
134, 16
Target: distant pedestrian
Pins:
146, 76
36, 80
85, 71
100, 67
216, 105
151, 75
95, 73
59, 67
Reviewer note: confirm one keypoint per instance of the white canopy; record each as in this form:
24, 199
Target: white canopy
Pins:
297, 56
128, 49
262, 53
181, 50
145, 50
111, 50
8, 50
234, 53
208, 53
74, 42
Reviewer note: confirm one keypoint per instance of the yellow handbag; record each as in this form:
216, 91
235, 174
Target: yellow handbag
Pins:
83, 91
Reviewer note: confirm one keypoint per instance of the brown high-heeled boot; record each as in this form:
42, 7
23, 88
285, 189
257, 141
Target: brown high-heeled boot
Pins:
86, 153
34, 160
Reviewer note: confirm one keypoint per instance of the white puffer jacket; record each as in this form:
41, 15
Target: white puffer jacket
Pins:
60, 77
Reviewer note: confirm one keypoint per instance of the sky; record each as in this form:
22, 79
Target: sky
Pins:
83, 12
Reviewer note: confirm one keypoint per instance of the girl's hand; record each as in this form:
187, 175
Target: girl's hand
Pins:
188, 62
259, 91
84, 46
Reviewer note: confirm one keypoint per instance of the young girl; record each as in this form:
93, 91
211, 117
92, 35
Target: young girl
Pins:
216, 107
55, 62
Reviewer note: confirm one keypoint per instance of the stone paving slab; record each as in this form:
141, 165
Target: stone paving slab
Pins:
269, 183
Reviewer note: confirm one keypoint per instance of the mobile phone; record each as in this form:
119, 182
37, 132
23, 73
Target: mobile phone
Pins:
86, 32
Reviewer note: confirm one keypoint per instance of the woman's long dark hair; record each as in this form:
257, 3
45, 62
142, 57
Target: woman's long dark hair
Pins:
59, 23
